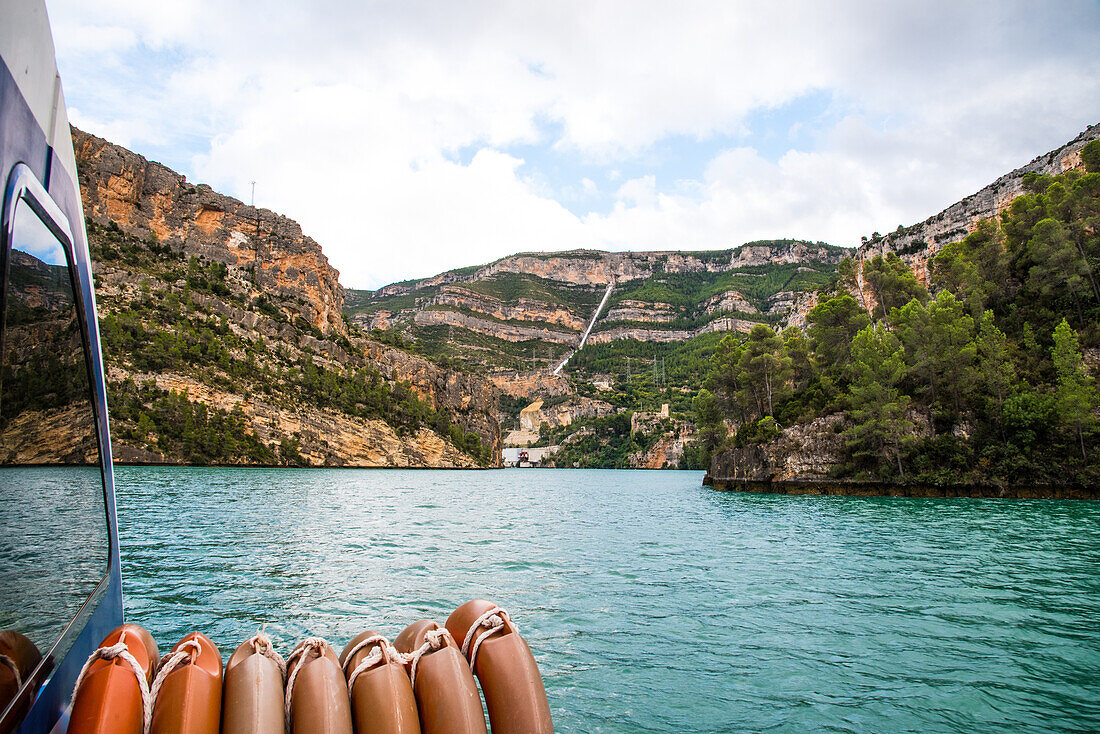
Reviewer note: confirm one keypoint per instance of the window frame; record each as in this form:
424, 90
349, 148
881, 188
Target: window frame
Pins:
24, 188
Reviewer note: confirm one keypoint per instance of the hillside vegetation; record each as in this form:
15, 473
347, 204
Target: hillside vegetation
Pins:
981, 381
529, 311
179, 321
224, 341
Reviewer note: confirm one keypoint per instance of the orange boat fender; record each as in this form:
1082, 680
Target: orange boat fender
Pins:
252, 701
187, 691
19, 658
111, 694
316, 692
382, 700
502, 661
446, 694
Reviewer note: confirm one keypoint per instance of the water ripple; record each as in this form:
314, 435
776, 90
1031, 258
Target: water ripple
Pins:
652, 604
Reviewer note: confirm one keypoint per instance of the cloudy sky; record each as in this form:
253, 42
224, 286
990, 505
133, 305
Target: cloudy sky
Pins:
413, 137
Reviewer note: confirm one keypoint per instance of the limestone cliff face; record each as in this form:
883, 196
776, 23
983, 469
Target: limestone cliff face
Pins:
496, 329
470, 399
632, 310
667, 453
144, 197
563, 414
528, 384
920, 242
728, 301
791, 253
524, 309
178, 323
598, 268
544, 302
803, 451
325, 437
722, 324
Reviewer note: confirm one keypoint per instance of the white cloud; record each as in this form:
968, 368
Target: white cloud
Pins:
349, 114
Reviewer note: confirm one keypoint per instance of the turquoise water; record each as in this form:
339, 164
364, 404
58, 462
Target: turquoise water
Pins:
652, 604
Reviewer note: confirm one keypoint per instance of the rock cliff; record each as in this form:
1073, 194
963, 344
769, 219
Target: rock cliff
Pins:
802, 451
145, 198
532, 309
225, 342
596, 267
918, 243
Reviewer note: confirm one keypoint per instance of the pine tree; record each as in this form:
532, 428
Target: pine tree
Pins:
953, 349
878, 408
1058, 264
997, 373
831, 326
913, 324
765, 366
797, 348
892, 282
1075, 393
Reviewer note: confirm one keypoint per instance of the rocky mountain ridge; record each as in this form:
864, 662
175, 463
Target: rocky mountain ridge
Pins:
534, 308
599, 268
228, 319
918, 243
146, 199
804, 457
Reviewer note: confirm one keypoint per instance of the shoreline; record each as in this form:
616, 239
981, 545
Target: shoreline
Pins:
852, 488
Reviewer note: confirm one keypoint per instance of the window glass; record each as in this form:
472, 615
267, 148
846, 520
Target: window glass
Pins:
54, 547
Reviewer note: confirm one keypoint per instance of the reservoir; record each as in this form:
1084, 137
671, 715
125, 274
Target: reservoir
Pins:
652, 604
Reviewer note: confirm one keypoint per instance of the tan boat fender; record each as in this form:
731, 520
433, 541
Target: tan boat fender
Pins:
187, 690
252, 698
18, 659
446, 694
502, 661
316, 700
112, 695
382, 700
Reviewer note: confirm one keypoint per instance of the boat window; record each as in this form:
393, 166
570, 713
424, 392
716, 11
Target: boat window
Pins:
54, 547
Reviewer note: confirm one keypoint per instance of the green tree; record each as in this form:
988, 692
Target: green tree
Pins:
725, 379
997, 372
953, 350
975, 269
765, 366
1090, 156
939, 347
710, 422
913, 325
1058, 264
1075, 393
879, 409
831, 326
892, 283
798, 351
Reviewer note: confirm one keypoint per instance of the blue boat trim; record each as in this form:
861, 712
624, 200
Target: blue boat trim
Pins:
33, 173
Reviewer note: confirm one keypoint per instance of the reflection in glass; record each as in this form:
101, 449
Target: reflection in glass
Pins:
53, 552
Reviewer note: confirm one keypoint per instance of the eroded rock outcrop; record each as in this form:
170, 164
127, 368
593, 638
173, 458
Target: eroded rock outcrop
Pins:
146, 198
803, 451
920, 242
238, 314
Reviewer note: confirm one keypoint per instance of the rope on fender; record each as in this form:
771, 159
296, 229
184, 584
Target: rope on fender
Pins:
10, 664
383, 651
120, 650
310, 644
493, 621
261, 643
185, 654
433, 640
